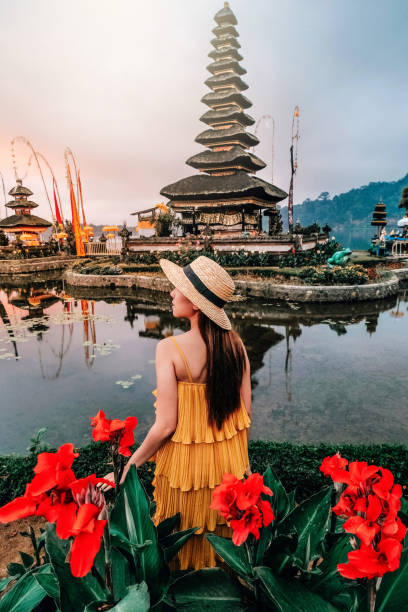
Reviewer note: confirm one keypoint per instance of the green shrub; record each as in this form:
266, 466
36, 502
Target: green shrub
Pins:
297, 465
337, 275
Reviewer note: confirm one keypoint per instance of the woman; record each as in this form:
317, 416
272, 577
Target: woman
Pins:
203, 407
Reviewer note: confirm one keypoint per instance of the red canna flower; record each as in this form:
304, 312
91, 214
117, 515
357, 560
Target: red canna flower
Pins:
225, 495
250, 522
267, 512
20, 507
53, 470
366, 528
369, 563
88, 531
115, 430
335, 468
251, 489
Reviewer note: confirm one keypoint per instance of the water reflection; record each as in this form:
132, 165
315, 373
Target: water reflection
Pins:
319, 372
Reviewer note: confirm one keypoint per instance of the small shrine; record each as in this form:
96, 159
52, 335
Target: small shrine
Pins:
379, 219
225, 196
22, 224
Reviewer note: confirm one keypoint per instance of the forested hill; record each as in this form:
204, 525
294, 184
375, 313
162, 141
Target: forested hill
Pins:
354, 206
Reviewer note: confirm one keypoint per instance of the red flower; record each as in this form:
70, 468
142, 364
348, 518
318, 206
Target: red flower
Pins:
267, 512
369, 563
225, 495
335, 468
250, 522
88, 531
21, 507
365, 528
250, 491
53, 470
115, 430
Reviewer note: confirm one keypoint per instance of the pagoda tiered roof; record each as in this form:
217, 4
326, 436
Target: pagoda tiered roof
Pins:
19, 221
22, 217
22, 204
226, 165
20, 190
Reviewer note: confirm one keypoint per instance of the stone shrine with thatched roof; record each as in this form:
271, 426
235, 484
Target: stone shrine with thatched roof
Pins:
22, 222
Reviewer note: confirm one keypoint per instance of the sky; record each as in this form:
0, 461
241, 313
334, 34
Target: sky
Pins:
120, 83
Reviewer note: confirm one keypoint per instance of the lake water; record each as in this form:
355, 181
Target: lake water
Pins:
319, 373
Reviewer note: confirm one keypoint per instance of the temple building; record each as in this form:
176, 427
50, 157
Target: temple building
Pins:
22, 223
379, 219
225, 195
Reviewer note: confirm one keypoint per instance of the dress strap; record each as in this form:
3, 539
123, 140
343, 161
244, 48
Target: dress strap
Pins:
190, 378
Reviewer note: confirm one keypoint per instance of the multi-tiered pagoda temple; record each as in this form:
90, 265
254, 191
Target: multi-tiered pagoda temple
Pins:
22, 222
225, 195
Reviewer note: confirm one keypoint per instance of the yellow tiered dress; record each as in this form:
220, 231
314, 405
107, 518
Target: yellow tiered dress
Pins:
192, 463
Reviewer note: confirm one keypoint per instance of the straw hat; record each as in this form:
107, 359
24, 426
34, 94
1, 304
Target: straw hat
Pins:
205, 283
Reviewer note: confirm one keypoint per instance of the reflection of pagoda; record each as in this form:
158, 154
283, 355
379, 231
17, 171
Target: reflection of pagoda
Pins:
225, 196
34, 300
22, 221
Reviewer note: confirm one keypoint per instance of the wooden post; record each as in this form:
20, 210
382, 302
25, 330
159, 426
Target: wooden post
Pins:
243, 219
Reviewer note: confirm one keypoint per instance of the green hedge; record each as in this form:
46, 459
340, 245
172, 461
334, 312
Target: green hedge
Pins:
296, 465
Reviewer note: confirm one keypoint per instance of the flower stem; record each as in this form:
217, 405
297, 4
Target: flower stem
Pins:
35, 546
108, 554
371, 594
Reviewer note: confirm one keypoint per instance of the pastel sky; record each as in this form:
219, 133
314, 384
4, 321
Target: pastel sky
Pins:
120, 82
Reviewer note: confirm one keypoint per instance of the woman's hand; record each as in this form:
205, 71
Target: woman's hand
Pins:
248, 471
105, 487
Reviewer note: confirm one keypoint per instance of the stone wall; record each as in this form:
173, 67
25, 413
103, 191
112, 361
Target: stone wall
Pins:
28, 266
258, 289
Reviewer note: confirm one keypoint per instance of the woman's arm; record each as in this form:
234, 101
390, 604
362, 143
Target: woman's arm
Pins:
166, 408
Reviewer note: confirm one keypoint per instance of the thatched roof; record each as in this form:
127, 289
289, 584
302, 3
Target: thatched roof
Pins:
219, 80
221, 30
205, 187
226, 136
21, 204
221, 41
225, 16
226, 160
20, 190
212, 117
16, 221
218, 54
217, 98
228, 64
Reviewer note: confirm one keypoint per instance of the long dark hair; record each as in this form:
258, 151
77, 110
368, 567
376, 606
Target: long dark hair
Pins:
225, 369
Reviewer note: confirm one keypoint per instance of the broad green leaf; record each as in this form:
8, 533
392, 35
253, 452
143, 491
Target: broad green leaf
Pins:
167, 526
23, 596
331, 582
4, 582
290, 595
292, 500
121, 575
47, 579
235, 556
279, 500
175, 541
131, 516
393, 593
206, 589
76, 592
310, 519
136, 599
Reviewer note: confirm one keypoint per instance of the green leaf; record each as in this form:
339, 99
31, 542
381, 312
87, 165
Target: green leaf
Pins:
15, 569
235, 556
290, 595
136, 599
279, 500
167, 526
175, 541
24, 595
310, 519
4, 582
206, 589
131, 516
27, 560
393, 592
47, 579
331, 582
121, 575
76, 592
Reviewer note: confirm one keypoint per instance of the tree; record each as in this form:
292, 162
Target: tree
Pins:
404, 200
324, 196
